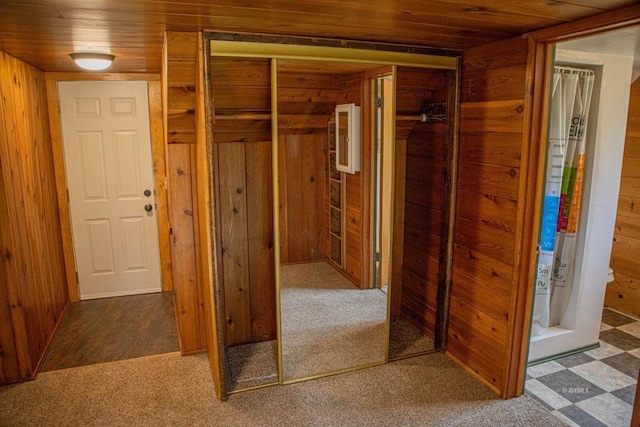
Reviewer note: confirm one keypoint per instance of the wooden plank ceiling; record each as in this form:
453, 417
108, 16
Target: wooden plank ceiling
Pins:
44, 32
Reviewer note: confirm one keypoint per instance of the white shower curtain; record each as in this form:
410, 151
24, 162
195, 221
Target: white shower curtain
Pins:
570, 101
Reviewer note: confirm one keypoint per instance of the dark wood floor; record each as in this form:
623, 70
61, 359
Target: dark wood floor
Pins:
109, 329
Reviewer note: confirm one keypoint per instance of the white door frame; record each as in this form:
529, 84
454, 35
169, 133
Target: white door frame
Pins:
107, 147
159, 165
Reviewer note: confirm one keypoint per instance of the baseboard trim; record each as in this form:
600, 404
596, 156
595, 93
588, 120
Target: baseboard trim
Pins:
193, 352
566, 353
47, 347
474, 373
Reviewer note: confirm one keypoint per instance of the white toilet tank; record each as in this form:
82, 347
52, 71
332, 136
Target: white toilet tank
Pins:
610, 277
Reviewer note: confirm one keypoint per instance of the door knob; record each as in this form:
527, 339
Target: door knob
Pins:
147, 193
148, 207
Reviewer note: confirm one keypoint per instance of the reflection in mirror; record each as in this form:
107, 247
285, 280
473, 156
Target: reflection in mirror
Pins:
418, 212
332, 319
335, 227
243, 212
328, 324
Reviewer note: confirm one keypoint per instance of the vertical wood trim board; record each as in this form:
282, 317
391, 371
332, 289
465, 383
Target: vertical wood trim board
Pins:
204, 184
61, 188
181, 54
159, 173
452, 141
33, 293
182, 246
529, 210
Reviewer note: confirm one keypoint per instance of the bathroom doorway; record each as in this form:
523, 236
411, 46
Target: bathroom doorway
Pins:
570, 282
582, 359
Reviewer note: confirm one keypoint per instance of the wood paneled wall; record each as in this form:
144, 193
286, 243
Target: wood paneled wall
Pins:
33, 289
423, 197
490, 193
205, 204
306, 102
624, 293
303, 197
243, 192
245, 199
488, 219
351, 89
180, 78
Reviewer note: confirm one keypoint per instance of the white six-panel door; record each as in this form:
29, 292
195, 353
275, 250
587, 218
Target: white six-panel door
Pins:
109, 169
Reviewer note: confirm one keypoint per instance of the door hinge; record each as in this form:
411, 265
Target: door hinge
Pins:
377, 256
379, 102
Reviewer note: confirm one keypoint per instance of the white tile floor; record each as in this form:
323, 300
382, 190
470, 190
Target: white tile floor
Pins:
594, 388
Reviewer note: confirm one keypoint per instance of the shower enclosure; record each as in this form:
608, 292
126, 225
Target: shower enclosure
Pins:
588, 101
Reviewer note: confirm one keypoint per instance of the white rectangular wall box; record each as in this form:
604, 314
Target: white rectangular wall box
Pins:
348, 138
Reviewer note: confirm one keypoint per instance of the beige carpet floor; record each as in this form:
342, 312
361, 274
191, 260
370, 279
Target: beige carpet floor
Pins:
170, 390
251, 365
405, 340
328, 324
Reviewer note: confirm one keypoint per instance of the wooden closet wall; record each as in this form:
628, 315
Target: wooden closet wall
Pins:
487, 289
33, 288
242, 166
421, 153
183, 105
243, 191
305, 104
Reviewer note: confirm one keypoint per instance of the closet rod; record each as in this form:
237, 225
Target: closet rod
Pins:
421, 118
244, 116
267, 116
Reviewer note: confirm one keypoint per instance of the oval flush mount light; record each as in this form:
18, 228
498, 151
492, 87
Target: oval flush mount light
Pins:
93, 61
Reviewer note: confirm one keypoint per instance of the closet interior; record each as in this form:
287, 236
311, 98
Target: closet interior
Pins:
328, 200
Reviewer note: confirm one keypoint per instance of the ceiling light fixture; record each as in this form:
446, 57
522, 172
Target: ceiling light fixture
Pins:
93, 61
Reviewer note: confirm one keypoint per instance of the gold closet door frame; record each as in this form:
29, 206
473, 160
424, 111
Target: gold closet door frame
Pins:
326, 53
273, 51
